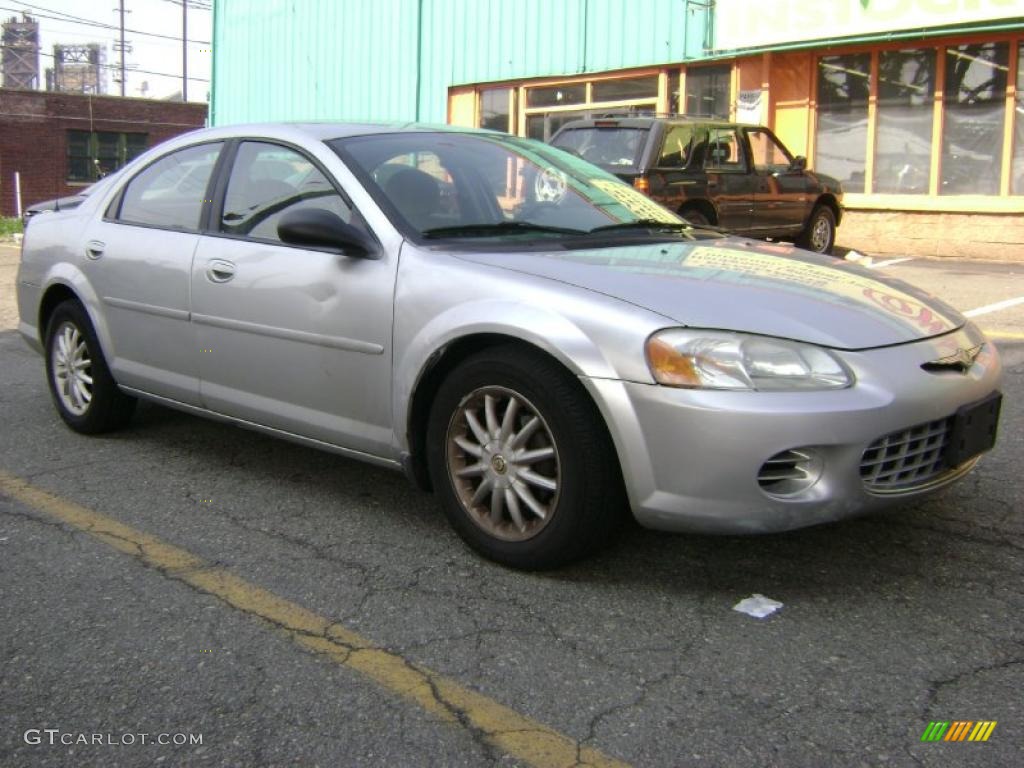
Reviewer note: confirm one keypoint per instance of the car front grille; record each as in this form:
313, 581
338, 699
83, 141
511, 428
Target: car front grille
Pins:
908, 459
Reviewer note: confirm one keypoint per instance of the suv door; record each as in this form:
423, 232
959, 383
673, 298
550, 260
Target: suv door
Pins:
293, 338
730, 183
782, 196
139, 262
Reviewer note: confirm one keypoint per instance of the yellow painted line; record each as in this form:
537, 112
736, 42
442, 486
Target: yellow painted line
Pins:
513, 733
1006, 335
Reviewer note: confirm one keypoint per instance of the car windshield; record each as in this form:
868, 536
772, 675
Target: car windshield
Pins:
610, 147
448, 185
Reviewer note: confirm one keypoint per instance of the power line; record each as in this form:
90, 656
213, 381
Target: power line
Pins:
69, 19
118, 67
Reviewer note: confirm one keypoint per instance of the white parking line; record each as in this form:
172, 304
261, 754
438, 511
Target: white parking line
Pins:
889, 262
994, 307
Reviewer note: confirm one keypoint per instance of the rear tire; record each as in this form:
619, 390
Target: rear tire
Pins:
820, 234
695, 217
83, 391
521, 461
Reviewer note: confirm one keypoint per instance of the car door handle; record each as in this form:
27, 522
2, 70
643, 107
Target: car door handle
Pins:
220, 271
94, 249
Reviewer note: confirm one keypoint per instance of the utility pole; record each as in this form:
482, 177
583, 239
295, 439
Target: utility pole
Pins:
184, 50
121, 10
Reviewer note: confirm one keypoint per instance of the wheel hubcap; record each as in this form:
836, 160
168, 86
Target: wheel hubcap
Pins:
821, 234
72, 369
503, 463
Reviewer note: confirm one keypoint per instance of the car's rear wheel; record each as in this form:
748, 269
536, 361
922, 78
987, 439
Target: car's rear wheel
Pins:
820, 233
84, 392
521, 462
695, 217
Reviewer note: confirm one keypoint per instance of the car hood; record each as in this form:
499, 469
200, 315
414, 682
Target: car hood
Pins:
739, 285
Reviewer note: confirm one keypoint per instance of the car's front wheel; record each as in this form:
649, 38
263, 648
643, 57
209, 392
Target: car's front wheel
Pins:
84, 392
521, 461
820, 234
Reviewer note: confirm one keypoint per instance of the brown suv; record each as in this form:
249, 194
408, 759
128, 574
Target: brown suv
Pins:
737, 177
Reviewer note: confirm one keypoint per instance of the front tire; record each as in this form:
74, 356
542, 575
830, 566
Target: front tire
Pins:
83, 391
521, 462
820, 234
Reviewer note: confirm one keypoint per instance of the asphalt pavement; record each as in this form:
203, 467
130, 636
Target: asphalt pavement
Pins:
188, 580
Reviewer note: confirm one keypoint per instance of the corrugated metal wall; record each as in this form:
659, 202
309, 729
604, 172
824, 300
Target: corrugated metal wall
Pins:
362, 59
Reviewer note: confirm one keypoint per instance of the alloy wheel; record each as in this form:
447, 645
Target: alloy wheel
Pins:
503, 463
72, 369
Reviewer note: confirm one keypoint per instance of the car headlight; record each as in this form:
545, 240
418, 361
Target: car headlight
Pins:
701, 359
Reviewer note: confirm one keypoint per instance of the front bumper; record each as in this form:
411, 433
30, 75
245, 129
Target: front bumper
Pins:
691, 458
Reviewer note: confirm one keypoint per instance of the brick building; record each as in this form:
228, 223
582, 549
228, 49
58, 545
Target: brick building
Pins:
62, 142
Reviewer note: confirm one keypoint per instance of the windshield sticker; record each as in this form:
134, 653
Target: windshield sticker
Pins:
550, 185
635, 202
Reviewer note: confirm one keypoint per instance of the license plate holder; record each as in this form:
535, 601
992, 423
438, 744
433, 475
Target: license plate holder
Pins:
974, 429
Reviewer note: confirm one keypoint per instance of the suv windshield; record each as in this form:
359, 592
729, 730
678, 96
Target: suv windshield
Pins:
460, 185
617, 147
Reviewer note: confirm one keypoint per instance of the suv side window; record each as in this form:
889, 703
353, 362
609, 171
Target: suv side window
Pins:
267, 181
769, 155
170, 193
724, 150
675, 152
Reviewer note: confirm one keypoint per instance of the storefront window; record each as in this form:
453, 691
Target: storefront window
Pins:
557, 95
543, 127
625, 90
975, 107
673, 93
1017, 172
495, 109
903, 133
844, 83
707, 91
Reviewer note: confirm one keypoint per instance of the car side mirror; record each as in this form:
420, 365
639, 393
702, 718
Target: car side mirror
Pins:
799, 164
323, 230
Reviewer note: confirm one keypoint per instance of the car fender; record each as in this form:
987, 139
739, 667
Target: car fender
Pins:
548, 330
71, 277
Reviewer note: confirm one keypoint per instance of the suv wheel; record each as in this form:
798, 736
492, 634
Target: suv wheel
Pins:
820, 234
695, 217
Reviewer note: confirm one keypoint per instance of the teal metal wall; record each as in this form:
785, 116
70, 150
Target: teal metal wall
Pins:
396, 59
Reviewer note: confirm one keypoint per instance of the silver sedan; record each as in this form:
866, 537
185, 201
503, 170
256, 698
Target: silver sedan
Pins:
516, 329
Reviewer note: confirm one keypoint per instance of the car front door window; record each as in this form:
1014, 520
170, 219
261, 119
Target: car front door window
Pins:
268, 181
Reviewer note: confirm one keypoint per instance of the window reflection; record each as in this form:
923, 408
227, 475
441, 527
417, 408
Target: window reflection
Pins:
903, 136
844, 83
975, 106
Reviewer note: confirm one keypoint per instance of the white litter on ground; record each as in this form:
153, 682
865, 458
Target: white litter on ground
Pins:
757, 606
853, 256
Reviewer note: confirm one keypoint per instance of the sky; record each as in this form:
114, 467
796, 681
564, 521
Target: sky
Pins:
153, 63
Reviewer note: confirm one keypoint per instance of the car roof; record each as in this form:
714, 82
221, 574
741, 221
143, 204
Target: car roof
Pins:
646, 121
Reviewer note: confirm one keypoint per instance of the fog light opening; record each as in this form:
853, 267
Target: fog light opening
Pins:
790, 472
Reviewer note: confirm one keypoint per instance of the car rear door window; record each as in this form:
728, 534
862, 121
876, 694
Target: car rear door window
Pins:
171, 192
724, 150
269, 180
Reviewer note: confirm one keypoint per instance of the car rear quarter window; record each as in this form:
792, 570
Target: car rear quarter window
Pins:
170, 192
269, 180
677, 147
